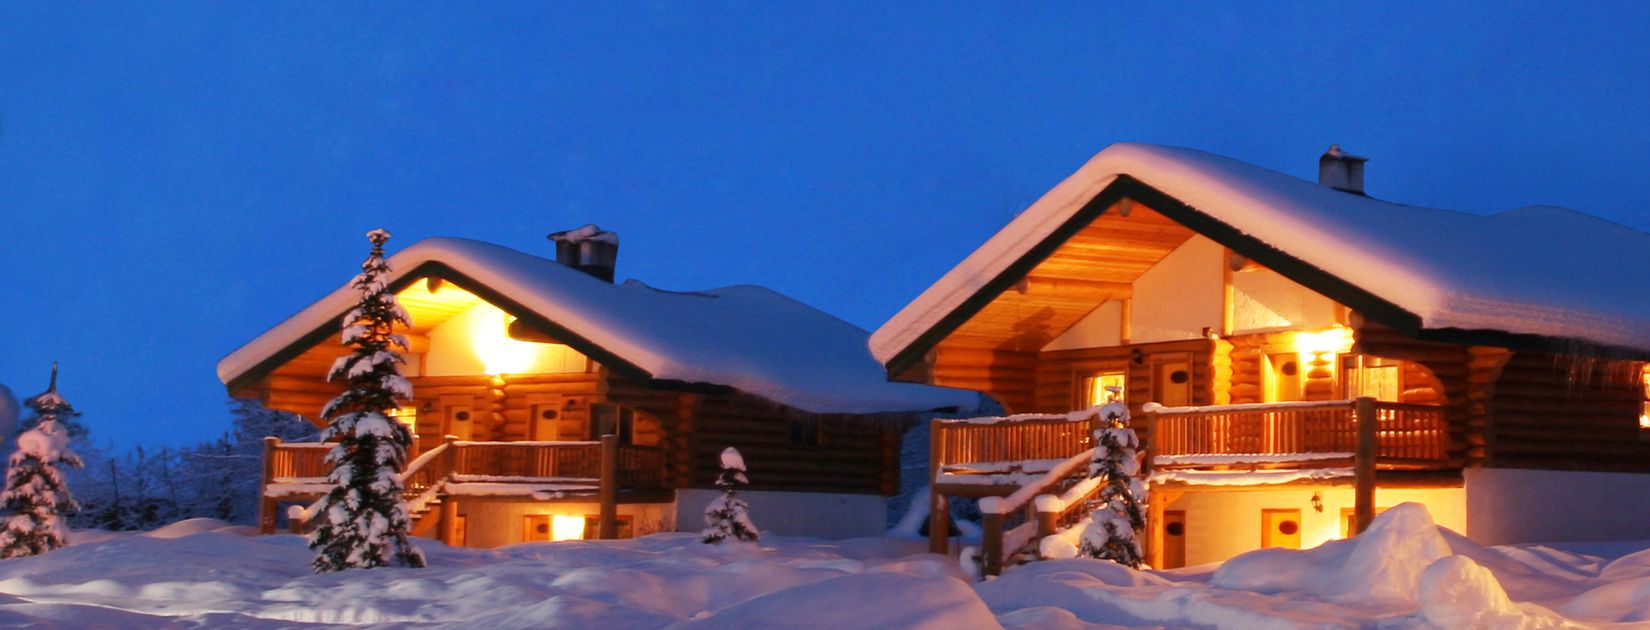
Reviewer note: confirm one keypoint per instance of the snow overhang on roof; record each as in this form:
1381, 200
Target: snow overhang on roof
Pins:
1550, 273
744, 337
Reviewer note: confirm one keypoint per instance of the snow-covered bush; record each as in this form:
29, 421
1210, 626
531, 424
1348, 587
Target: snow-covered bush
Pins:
1110, 534
363, 521
727, 516
36, 497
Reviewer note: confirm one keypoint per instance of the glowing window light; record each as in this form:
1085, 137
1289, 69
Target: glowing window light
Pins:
564, 527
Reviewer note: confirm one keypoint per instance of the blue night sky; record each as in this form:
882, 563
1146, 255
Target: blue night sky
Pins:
176, 178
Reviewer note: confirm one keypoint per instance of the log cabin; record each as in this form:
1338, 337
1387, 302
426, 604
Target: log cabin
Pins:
551, 403
1297, 356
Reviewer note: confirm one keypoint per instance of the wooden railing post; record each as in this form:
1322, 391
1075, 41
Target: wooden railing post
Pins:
939, 536
991, 547
451, 454
607, 527
267, 504
1363, 510
1048, 523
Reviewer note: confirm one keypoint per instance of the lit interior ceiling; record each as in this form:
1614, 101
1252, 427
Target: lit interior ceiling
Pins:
1099, 263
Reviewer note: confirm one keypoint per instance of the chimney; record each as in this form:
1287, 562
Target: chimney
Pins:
589, 249
1341, 170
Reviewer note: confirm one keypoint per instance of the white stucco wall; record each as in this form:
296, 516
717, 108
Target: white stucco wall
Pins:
1101, 328
1506, 505
1262, 301
819, 514
1220, 525
1181, 295
474, 342
498, 523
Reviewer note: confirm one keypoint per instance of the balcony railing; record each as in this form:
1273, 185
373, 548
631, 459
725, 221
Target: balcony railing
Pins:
1405, 435
298, 471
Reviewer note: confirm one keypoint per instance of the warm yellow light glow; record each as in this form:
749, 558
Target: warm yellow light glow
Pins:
564, 527
407, 416
1096, 387
499, 353
1337, 339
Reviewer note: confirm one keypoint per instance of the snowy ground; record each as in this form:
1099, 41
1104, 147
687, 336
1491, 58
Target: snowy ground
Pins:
1405, 573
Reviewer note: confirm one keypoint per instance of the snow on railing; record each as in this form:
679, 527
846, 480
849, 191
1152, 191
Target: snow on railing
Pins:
1000, 546
1050, 479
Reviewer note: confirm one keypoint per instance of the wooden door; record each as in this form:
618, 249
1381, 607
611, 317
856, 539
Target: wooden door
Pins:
1172, 383
1280, 528
458, 416
547, 412
1174, 539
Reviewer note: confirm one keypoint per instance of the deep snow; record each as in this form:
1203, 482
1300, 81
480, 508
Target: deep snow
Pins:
1405, 573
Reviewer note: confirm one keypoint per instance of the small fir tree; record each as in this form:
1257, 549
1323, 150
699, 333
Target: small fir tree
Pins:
1110, 534
363, 521
36, 496
728, 516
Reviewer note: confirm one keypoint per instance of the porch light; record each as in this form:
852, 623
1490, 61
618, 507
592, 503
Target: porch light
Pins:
490, 338
1331, 341
564, 527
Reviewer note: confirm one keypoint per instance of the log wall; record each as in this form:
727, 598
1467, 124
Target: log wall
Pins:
853, 454
1010, 376
1566, 413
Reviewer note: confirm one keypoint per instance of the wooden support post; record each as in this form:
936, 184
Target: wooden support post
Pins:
267, 505
991, 546
1363, 510
295, 521
607, 527
449, 519
939, 525
1155, 506
939, 535
1048, 523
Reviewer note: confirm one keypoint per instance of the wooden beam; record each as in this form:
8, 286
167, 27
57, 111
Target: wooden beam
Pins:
1364, 465
939, 538
607, 527
267, 505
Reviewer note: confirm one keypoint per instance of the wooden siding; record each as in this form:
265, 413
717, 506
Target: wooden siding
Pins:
852, 455
1566, 413
1060, 374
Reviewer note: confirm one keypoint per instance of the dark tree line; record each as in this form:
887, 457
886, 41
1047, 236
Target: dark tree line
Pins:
144, 488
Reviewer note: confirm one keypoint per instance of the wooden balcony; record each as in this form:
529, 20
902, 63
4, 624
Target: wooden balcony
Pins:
597, 471
1274, 435
1406, 436
1031, 471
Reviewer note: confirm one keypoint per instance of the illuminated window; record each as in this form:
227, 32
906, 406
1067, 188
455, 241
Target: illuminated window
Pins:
608, 418
543, 527
1098, 389
407, 416
1644, 406
1375, 377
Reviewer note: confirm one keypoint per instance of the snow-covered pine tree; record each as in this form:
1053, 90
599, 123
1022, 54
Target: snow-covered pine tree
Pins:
728, 516
1110, 534
363, 521
36, 496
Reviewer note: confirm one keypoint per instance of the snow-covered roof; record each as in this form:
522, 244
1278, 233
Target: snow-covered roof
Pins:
1541, 271
745, 337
